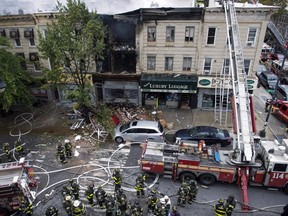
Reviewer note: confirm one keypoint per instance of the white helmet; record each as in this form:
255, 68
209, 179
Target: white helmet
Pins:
76, 203
68, 198
162, 201
66, 141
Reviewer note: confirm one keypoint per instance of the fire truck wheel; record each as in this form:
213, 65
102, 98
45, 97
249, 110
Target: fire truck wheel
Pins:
207, 179
119, 140
286, 189
4, 212
187, 176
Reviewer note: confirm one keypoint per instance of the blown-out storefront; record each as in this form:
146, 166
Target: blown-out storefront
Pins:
169, 90
209, 90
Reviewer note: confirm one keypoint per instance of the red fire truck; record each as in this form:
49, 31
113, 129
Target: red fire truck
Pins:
16, 182
186, 160
280, 109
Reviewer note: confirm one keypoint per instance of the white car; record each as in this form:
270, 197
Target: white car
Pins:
139, 131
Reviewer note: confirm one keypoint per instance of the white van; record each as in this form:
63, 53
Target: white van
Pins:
282, 92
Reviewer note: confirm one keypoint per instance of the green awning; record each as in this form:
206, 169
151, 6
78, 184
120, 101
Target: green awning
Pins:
173, 83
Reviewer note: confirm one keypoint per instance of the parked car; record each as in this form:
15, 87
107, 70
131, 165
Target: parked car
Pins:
261, 68
211, 135
268, 80
139, 131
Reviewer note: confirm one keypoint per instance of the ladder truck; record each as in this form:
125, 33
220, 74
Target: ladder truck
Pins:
251, 161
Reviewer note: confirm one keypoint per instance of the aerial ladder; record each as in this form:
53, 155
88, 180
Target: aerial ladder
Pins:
243, 155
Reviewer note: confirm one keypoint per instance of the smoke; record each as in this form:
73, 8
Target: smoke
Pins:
101, 6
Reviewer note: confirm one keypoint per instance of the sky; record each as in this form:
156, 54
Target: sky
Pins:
101, 6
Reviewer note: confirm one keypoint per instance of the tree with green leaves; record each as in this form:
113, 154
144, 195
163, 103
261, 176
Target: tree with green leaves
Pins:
74, 42
16, 79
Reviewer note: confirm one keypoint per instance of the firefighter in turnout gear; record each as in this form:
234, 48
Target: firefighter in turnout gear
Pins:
121, 200
192, 191
66, 191
68, 148
230, 205
75, 189
174, 211
100, 195
52, 211
7, 151
152, 201
136, 209
117, 177
160, 208
61, 153
26, 208
90, 194
19, 148
110, 205
219, 208
78, 208
182, 196
140, 185
67, 204
128, 211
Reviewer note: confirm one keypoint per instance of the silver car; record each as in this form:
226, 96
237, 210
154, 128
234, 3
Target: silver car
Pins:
139, 131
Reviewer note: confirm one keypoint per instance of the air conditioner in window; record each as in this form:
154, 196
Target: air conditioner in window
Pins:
249, 44
206, 71
14, 33
2, 33
33, 57
28, 33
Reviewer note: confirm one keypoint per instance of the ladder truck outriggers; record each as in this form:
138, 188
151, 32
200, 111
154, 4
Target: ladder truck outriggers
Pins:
251, 161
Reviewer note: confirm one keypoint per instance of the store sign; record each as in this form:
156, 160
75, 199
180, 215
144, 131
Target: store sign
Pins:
166, 86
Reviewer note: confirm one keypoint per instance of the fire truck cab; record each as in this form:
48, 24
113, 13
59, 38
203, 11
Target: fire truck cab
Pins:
16, 182
280, 109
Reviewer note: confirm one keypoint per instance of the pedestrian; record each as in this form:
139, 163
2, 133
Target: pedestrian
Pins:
219, 208
52, 211
230, 205
68, 148
267, 104
121, 199
67, 204
117, 177
139, 186
78, 208
90, 194
100, 195
192, 191
174, 211
75, 189
61, 153
7, 151
19, 148
285, 211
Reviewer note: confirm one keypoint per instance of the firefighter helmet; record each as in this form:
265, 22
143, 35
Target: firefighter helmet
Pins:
220, 201
68, 198
66, 141
76, 203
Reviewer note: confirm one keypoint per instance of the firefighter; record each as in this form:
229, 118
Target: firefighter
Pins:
52, 211
90, 194
219, 208
152, 201
25, 208
193, 190
230, 205
67, 204
29, 209
117, 179
121, 200
68, 148
75, 189
66, 191
19, 148
61, 153
174, 211
110, 205
182, 196
78, 208
100, 195
7, 151
136, 209
167, 204
160, 208
128, 211
139, 186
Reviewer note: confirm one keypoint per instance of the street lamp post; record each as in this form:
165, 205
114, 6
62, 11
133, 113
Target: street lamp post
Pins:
262, 133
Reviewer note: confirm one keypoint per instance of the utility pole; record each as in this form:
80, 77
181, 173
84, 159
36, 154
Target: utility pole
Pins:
262, 133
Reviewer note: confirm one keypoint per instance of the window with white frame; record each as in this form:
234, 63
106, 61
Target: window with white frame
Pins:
187, 62
207, 66
17, 42
211, 35
32, 42
168, 63
151, 33
170, 34
251, 37
151, 62
247, 65
225, 68
189, 33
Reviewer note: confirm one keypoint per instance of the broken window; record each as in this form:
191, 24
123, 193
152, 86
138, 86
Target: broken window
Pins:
187, 62
170, 34
169, 63
211, 35
189, 33
151, 33
151, 62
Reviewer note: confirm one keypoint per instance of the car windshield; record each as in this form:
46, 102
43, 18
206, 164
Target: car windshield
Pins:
193, 131
124, 127
261, 68
272, 78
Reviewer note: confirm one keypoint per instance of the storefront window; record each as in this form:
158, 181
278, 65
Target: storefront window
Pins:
208, 101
